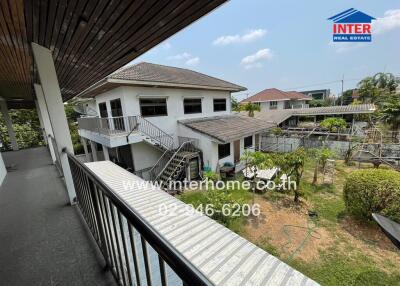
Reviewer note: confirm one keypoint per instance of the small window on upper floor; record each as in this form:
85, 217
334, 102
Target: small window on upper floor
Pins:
153, 106
191, 105
219, 104
273, 105
248, 142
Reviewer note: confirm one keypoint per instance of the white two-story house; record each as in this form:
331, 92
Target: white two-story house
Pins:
158, 121
275, 99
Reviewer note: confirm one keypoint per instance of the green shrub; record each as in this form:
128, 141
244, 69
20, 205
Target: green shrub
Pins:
373, 191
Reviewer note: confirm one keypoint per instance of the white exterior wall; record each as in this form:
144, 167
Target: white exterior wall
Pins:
209, 147
144, 155
3, 170
130, 96
281, 104
265, 105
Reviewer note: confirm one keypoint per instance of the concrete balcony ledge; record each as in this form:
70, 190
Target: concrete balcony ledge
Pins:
111, 141
224, 257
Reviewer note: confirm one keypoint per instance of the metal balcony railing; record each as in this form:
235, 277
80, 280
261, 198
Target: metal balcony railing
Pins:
125, 125
125, 238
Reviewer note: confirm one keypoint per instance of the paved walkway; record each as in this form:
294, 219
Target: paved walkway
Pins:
43, 240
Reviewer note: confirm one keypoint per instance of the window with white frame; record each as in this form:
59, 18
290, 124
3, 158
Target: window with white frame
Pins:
273, 105
191, 105
153, 106
219, 104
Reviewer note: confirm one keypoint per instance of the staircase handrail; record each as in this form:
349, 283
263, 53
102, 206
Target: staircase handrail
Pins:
151, 130
184, 144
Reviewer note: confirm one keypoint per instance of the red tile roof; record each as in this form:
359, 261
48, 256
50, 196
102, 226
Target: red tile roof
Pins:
276, 95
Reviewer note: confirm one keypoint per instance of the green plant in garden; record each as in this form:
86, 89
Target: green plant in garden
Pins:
277, 131
291, 164
320, 156
334, 124
373, 191
211, 176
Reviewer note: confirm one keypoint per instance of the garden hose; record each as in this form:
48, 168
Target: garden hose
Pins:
312, 224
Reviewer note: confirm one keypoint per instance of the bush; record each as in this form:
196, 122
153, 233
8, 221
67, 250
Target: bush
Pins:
373, 191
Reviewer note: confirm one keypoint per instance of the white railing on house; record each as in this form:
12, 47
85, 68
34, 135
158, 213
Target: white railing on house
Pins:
125, 125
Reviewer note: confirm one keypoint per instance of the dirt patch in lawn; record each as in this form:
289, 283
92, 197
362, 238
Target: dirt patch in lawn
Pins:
289, 229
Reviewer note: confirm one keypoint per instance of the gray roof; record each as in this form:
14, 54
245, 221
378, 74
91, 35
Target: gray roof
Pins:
224, 257
227, 128
154, 73
278, 116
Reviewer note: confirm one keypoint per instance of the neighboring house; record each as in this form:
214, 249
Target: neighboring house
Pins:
317, 94
148, 111
273, 98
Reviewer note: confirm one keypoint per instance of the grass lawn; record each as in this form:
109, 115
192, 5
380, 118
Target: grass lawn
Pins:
333, 249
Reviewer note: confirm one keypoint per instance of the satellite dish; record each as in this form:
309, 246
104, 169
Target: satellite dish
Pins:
85, 110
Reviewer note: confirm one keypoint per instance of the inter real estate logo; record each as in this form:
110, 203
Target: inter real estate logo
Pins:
352, 26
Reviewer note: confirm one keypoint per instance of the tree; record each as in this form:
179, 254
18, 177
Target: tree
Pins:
346, 98
251, 108
292, 164
375, 88
321, 156
334, 124
390, 112
235, 105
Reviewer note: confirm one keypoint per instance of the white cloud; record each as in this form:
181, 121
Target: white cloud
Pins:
188, 59
250, 36
254, 60
183, 56
166, 45
193, 61
389, 21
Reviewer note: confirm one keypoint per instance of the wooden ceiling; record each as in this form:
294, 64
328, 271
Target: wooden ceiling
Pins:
89, 38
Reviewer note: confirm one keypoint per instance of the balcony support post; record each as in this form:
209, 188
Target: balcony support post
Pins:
8, 122
41, 122
106, 154
45, 117
55, 108
93, 146
85, 148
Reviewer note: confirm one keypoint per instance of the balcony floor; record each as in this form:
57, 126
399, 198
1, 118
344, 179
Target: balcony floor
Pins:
43, 240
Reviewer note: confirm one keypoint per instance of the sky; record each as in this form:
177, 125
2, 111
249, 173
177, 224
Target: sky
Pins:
283, 44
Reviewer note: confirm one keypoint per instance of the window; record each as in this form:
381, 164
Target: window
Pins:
191, 105
116, 108
273, 104
153, 106
224, 150
219, 104
248, 141
103, 110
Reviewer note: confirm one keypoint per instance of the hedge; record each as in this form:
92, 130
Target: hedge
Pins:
373, 191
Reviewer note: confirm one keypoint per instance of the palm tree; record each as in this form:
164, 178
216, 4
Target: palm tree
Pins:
251, 108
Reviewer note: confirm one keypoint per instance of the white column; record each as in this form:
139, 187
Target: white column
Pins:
55, 108
8, 122
41, 122
93, 146
45, 117
106, 155
85, 148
